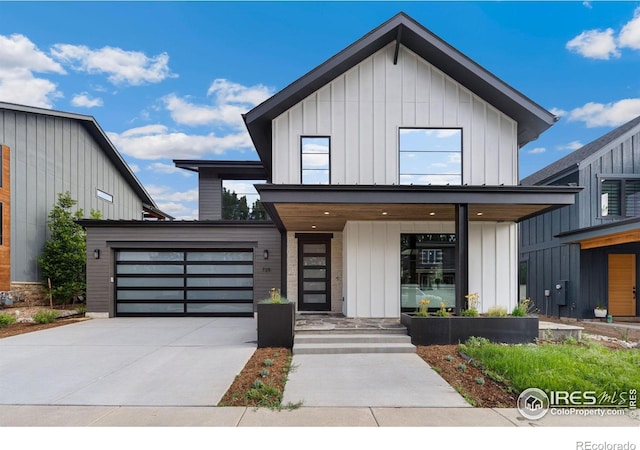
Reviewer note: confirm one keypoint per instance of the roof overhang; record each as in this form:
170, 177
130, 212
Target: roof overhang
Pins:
532, 118
230, 170
605, 235
329, 207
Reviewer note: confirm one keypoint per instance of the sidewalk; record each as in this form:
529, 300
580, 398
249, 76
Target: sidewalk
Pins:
153, 416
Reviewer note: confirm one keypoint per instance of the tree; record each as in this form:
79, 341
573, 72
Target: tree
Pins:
257, 211
234, 207
64, 258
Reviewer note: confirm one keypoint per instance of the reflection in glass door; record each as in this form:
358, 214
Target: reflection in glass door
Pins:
314, 272
427, 270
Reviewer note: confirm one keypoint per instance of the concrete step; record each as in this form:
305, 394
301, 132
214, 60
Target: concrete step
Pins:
551, 331
328, 344
302, 330
351, 338
341, 348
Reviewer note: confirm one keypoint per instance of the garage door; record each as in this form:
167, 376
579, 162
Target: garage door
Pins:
184, 283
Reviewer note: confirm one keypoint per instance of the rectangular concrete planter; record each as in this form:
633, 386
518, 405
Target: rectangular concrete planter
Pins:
276, 322
434, 330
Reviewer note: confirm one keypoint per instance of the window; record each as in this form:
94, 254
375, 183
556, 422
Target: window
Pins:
427, 270
104, 196
315, 162
430, 156
619, 197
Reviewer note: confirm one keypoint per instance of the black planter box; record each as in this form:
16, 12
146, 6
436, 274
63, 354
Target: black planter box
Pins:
434, 330
276, 322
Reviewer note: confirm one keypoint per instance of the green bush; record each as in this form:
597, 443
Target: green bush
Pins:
45, 316
6, 320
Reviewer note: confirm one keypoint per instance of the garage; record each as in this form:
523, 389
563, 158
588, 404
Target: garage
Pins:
168, 282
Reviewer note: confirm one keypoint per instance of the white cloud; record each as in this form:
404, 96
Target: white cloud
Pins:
630, 33
134, 168
606, 115
168, 169
177, 210
157, 142
121, 66
84, 101
230, 101
169, 194
573, 145
594, 44
587, 5
537, 150
19, 59
558, 112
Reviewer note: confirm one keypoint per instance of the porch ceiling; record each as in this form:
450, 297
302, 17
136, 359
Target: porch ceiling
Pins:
332, 216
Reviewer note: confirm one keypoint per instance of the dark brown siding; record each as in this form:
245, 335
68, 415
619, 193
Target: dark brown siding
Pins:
100, 272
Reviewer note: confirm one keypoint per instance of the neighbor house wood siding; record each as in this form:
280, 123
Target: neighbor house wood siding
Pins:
5, 200
108, 239
51, 155
372, 264
363, 109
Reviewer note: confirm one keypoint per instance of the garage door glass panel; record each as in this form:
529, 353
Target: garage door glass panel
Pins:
220, 295
220, 308
220, 256
151, 308
219, 282
150, 256
163, 294
221, 269
150, 282
148, 269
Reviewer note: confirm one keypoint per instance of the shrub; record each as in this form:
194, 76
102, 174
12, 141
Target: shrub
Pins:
45, 316
268, 362
6, 320
497, 311
470, 313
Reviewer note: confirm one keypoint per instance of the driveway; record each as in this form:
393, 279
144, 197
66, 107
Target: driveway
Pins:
127, 362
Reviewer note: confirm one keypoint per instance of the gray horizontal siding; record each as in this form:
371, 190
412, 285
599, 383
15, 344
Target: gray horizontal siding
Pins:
111, 238
51, 155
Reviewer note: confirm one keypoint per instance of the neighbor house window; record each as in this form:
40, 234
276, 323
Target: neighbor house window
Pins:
430, 156
315, 161
104, 196
619, 197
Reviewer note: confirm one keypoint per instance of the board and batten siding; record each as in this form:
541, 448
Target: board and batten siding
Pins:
621, 156
109, 239
371, 268
363, 109
52, 155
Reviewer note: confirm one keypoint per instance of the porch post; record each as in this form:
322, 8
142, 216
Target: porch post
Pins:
462, 255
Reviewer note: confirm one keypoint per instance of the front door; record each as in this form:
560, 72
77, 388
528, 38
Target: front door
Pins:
314, 272
622, 285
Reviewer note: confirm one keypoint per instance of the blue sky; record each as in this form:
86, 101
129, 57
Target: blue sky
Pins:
169, 80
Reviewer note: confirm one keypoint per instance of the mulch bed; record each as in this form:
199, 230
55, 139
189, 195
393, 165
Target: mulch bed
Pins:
26, 327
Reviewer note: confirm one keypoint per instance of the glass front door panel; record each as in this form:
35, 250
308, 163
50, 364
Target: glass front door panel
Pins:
314, 284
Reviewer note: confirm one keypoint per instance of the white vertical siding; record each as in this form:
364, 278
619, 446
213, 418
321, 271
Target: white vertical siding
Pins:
493, 261
363, 108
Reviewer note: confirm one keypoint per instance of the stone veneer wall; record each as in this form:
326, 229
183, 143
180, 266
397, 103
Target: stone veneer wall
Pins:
32, 292
336, 270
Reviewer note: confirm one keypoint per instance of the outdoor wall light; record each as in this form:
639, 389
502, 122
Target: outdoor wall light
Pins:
265, 254
96, 253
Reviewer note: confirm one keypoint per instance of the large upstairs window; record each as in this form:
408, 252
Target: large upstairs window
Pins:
315, 160
430, 156
619, 197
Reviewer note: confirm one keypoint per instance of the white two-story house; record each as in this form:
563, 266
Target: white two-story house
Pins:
392, 174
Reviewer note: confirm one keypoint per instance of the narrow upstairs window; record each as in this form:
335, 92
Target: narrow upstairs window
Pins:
315, 160
104, 196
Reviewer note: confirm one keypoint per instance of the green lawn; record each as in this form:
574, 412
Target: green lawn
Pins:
560, 367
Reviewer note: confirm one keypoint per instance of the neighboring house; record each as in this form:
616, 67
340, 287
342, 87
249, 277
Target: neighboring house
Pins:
391, 175
579, 256
45, 153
